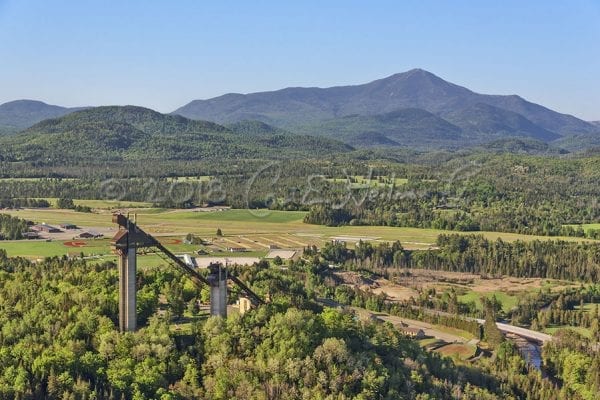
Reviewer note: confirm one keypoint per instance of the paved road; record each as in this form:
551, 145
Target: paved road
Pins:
505, 328
448, 337
526, 333
428, 329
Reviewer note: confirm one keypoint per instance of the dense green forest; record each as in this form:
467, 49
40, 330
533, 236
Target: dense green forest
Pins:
570, 358
136, 133
524, 194
59, 340
544, 259
468, 191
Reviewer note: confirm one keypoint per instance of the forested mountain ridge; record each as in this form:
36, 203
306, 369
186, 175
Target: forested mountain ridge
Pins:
20, 114
485, 121
414, 109
253, 128
412, 127
581, 142
476, 114
136, 133
144, 119
515, 145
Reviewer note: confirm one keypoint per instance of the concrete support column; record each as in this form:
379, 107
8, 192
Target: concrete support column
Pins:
127, 290
218, 291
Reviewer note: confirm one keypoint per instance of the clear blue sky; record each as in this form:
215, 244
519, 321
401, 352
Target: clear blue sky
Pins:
162, 54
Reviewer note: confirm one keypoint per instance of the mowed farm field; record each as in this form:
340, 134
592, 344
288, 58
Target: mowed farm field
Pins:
253, 230
587, 227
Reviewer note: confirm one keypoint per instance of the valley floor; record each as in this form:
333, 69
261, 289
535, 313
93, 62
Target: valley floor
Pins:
253, 231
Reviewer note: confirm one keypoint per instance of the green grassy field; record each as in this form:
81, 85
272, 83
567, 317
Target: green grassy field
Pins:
360, 181
191, 179
103, 204
582, 331
239, 216
509, 301
588, 307
244, 221
40, 248
458, 350
255, 229
430, 343
454, 331
587, 227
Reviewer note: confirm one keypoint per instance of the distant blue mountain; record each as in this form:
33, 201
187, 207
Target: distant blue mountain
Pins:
337, 112
21, 114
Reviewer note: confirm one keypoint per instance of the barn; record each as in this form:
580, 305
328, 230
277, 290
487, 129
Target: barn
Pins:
43, 227
90, 235
68, 226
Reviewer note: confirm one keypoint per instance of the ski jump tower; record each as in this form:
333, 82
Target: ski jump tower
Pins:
125, 243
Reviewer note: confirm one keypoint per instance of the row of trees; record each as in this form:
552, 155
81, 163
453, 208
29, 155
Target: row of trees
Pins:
475, 254
69, 204
12, 228
21, 203
365, 254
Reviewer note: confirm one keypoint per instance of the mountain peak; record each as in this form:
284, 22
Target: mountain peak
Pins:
144, 119
25, 104
417, 71
416, 74
20, 114
295, 108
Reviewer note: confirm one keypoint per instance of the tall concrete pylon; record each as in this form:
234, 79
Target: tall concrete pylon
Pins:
217, 279
127, 290
125, 244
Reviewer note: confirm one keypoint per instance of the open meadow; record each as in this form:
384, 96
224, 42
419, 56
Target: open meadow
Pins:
587, 227
462, 351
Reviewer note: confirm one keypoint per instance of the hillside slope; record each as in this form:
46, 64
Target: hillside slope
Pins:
481, 121
135, 133
411, 127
